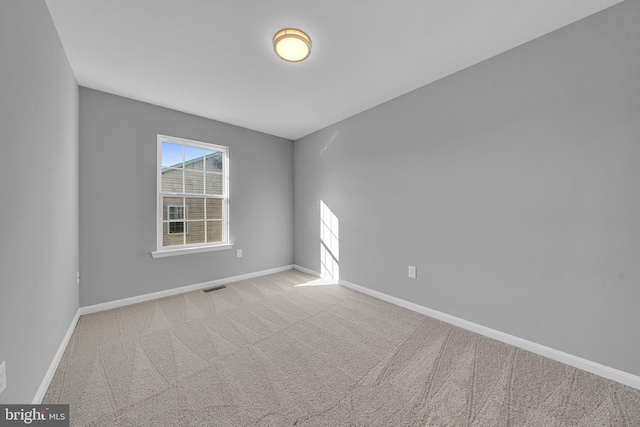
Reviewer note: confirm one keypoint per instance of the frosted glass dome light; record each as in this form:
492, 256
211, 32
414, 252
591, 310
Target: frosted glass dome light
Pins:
292, 45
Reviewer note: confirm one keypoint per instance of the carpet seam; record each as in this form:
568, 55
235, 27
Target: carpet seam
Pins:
396, 351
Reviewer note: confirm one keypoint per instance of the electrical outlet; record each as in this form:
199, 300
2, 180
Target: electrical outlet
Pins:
412, 272
239, 252
3, 376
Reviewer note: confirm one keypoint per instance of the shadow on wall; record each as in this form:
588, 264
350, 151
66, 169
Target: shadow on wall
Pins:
329, 244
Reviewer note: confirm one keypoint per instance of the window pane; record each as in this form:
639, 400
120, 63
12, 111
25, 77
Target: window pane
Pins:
214, 183
176, 227
193, 158
195, 207
195, 232
171, 239
193, 182
214, 231
171, 155
170, 201
214, 208
175, 212
214, 161
172, 180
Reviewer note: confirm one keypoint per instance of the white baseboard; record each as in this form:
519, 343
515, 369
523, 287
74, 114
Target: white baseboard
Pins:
46, 381
175, 291
306, 270
560, 356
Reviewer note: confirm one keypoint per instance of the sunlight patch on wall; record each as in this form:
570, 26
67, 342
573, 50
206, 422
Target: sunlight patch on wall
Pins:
329, 244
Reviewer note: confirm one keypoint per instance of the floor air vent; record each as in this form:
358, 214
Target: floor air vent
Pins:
215, 288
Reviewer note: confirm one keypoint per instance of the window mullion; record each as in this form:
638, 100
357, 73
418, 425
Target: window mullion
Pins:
184, 216
204, 200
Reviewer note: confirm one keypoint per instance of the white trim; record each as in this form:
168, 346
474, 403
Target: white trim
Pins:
199, 144
184, 251
551, 353
575, 361
159, 202
306, 270
175, 291
227, 197
46, 381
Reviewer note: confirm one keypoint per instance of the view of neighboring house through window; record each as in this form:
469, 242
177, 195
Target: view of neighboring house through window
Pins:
192, 193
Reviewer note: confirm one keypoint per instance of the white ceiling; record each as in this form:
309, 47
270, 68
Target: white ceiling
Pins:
214, 58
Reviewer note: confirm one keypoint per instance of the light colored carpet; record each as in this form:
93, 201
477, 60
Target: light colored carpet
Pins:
290, 350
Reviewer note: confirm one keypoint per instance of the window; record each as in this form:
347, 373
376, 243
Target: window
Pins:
176, 215
192, 194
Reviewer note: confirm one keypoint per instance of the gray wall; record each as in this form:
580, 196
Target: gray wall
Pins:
38, 195
511, 185
118, 199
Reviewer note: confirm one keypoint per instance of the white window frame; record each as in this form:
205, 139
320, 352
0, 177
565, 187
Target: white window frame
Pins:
163, 251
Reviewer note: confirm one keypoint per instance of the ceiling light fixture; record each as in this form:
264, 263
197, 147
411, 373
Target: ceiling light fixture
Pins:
292, 45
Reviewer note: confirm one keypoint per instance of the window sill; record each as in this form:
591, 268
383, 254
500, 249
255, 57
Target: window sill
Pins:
185, 251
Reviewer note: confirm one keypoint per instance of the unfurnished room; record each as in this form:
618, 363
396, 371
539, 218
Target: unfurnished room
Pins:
332, 213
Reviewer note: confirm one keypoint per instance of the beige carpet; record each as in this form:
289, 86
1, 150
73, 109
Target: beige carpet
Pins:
290, 350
